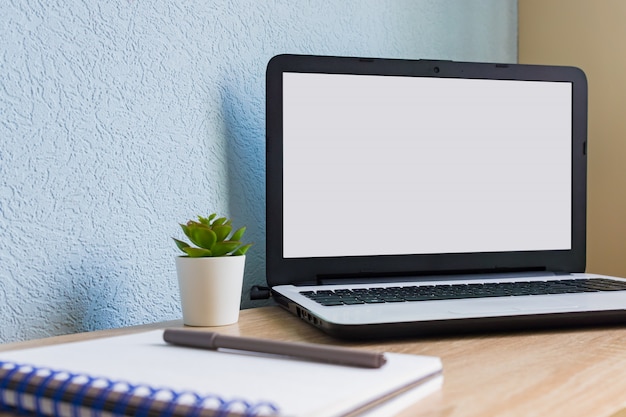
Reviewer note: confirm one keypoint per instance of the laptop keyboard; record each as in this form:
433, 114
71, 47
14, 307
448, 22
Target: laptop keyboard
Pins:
455, 291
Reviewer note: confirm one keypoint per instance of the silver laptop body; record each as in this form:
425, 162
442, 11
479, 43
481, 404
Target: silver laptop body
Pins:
416, 197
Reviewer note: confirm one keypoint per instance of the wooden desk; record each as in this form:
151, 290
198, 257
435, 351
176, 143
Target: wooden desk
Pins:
559, 373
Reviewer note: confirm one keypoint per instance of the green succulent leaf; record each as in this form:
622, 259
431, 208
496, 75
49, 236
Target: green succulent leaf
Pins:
225, 247
222, 231
219, 221
197, 252
181, 245
238, 234
203, 236
210, 235
186, 230
242, 250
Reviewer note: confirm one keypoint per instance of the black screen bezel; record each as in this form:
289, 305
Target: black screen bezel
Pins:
280, 270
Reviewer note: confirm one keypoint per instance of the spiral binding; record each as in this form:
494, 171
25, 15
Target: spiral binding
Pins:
24, 381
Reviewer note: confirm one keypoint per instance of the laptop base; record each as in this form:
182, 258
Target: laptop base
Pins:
453, 327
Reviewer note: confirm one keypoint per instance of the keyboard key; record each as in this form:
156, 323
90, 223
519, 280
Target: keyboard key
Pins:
417, 293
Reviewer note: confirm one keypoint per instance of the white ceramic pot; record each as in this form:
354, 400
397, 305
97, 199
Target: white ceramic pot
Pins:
210, 289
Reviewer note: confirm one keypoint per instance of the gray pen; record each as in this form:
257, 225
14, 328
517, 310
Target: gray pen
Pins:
314, 352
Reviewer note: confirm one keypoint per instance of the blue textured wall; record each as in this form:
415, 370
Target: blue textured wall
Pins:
120, 119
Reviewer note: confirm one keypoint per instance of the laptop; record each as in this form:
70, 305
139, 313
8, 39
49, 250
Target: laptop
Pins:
419, 197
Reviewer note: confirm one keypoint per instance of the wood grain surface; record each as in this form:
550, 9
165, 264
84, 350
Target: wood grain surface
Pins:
548, 373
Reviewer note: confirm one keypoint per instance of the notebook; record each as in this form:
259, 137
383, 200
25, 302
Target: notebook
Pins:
140, 375
417, 197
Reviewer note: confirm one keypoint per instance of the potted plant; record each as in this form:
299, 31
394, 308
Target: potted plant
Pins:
210, 274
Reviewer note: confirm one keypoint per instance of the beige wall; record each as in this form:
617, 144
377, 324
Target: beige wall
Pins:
591, 34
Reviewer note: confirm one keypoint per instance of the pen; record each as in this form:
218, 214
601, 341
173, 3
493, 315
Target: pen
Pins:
314, 352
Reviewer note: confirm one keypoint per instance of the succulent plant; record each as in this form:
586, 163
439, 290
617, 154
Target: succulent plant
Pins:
213, 237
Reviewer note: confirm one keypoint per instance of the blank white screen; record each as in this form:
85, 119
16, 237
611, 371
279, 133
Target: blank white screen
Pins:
407, 165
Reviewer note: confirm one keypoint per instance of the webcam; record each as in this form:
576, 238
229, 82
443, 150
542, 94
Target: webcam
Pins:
436, 70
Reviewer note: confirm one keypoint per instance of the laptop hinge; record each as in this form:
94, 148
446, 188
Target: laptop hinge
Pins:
328, 279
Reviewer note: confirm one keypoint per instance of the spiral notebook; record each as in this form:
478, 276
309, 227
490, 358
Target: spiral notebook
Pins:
141, 375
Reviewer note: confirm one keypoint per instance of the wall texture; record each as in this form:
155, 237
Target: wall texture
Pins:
120, 119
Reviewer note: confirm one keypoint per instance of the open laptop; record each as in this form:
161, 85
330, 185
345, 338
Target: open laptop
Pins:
416, 197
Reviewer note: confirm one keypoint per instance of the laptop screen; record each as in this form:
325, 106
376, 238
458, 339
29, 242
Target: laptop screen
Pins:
391, 165
420, 165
